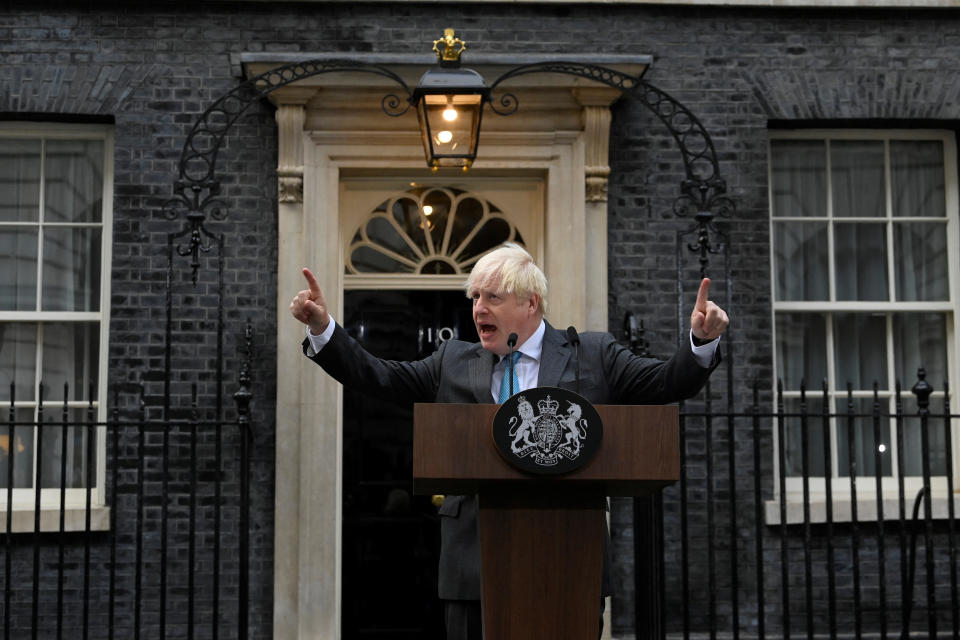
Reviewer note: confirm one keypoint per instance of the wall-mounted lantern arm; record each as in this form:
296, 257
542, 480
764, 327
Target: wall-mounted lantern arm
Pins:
449, 102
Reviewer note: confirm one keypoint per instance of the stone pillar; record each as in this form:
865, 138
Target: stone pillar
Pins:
596, 133
596, 136
307, 537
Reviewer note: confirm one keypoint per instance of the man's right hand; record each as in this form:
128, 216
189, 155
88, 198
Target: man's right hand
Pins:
309, 307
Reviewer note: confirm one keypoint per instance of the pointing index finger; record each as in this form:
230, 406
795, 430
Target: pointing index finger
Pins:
311, 282
703, 294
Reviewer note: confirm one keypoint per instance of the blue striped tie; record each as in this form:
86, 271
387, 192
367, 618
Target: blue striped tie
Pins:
505, 383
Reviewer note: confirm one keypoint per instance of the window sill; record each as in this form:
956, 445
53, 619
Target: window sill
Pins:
74, 520
866, 509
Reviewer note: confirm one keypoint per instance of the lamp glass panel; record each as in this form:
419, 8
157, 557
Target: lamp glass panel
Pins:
451, 140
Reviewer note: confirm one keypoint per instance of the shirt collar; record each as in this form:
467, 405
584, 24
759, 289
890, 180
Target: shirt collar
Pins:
532, 347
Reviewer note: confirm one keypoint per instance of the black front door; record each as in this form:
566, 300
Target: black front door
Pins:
391, 538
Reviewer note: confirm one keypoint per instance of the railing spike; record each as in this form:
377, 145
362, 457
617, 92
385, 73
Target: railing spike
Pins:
922, 389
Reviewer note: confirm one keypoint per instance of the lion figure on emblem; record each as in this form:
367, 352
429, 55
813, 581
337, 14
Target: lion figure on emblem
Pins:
521, 432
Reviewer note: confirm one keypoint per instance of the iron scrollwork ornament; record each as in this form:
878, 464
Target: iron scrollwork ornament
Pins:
197, 186
702, 192
194, 202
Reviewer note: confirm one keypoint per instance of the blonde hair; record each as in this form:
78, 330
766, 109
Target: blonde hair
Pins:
509, 269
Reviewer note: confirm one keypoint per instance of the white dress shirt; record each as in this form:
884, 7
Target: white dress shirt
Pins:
528, 366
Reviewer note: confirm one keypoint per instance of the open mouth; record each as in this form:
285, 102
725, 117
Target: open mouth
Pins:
487, 329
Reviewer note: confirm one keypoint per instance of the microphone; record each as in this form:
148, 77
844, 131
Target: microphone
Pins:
511, 343
574, 339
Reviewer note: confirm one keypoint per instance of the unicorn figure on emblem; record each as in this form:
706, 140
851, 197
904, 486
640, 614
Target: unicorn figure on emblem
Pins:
576, 428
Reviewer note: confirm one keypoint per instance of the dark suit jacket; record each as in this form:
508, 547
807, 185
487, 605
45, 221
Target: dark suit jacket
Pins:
461, 371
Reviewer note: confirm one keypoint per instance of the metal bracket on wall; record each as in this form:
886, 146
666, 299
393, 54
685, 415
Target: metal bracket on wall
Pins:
702, 192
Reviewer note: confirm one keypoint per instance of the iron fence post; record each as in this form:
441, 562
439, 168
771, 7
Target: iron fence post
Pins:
922, 389
243, 397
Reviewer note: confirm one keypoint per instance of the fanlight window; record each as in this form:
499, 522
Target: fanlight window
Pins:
428, 230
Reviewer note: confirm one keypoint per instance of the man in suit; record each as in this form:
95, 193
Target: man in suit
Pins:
509, 294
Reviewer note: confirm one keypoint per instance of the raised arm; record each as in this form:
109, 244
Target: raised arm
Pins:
708, 321
309, 306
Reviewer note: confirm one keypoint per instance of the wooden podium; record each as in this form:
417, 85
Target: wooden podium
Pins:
541, 537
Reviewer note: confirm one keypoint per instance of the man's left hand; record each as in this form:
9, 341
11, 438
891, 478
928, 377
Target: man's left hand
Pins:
708, 321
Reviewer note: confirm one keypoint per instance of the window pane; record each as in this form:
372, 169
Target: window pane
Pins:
793, 431
865, 418
382, 233
798, 177
921, 269
920, 340
71, 269
912, 461
18, 360
18, 264
20, 446
19, 180
368, 260
917, 177
801, 350
73, 181
800, 255
70, 354
494, 231
406, 213
466, 217
861, 261
860, 349
439, 203
65, 448
856, 172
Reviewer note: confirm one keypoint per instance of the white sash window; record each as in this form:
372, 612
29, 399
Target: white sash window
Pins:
55, 236
864, 256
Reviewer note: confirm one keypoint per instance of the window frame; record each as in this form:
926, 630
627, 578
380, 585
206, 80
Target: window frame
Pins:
24, 499
866, 484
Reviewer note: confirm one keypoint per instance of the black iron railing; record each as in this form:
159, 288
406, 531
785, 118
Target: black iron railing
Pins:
169, 561
747, 556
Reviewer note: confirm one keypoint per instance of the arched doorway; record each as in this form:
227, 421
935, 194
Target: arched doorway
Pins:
329, 138
406, 259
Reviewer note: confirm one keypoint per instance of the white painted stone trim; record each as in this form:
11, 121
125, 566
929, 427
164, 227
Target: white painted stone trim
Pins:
866, 509
342, 135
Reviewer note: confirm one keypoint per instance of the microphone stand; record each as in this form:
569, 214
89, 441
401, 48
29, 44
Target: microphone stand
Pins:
574, 339
511, 343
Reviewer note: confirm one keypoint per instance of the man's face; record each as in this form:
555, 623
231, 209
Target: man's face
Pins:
498, 315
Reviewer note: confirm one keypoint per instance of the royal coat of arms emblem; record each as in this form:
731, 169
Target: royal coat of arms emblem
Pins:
547, 430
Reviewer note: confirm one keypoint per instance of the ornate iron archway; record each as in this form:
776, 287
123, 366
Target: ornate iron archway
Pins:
702, 193
197, 188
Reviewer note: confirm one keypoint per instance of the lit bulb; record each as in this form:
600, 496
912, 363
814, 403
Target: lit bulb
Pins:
449, 114
443, 137
427, 209
882, 448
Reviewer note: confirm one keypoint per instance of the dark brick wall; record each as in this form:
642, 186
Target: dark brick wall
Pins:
154, 68
153, 72
738, 70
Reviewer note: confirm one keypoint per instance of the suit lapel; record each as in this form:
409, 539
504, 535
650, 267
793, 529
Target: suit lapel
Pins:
553, 358
481, 370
